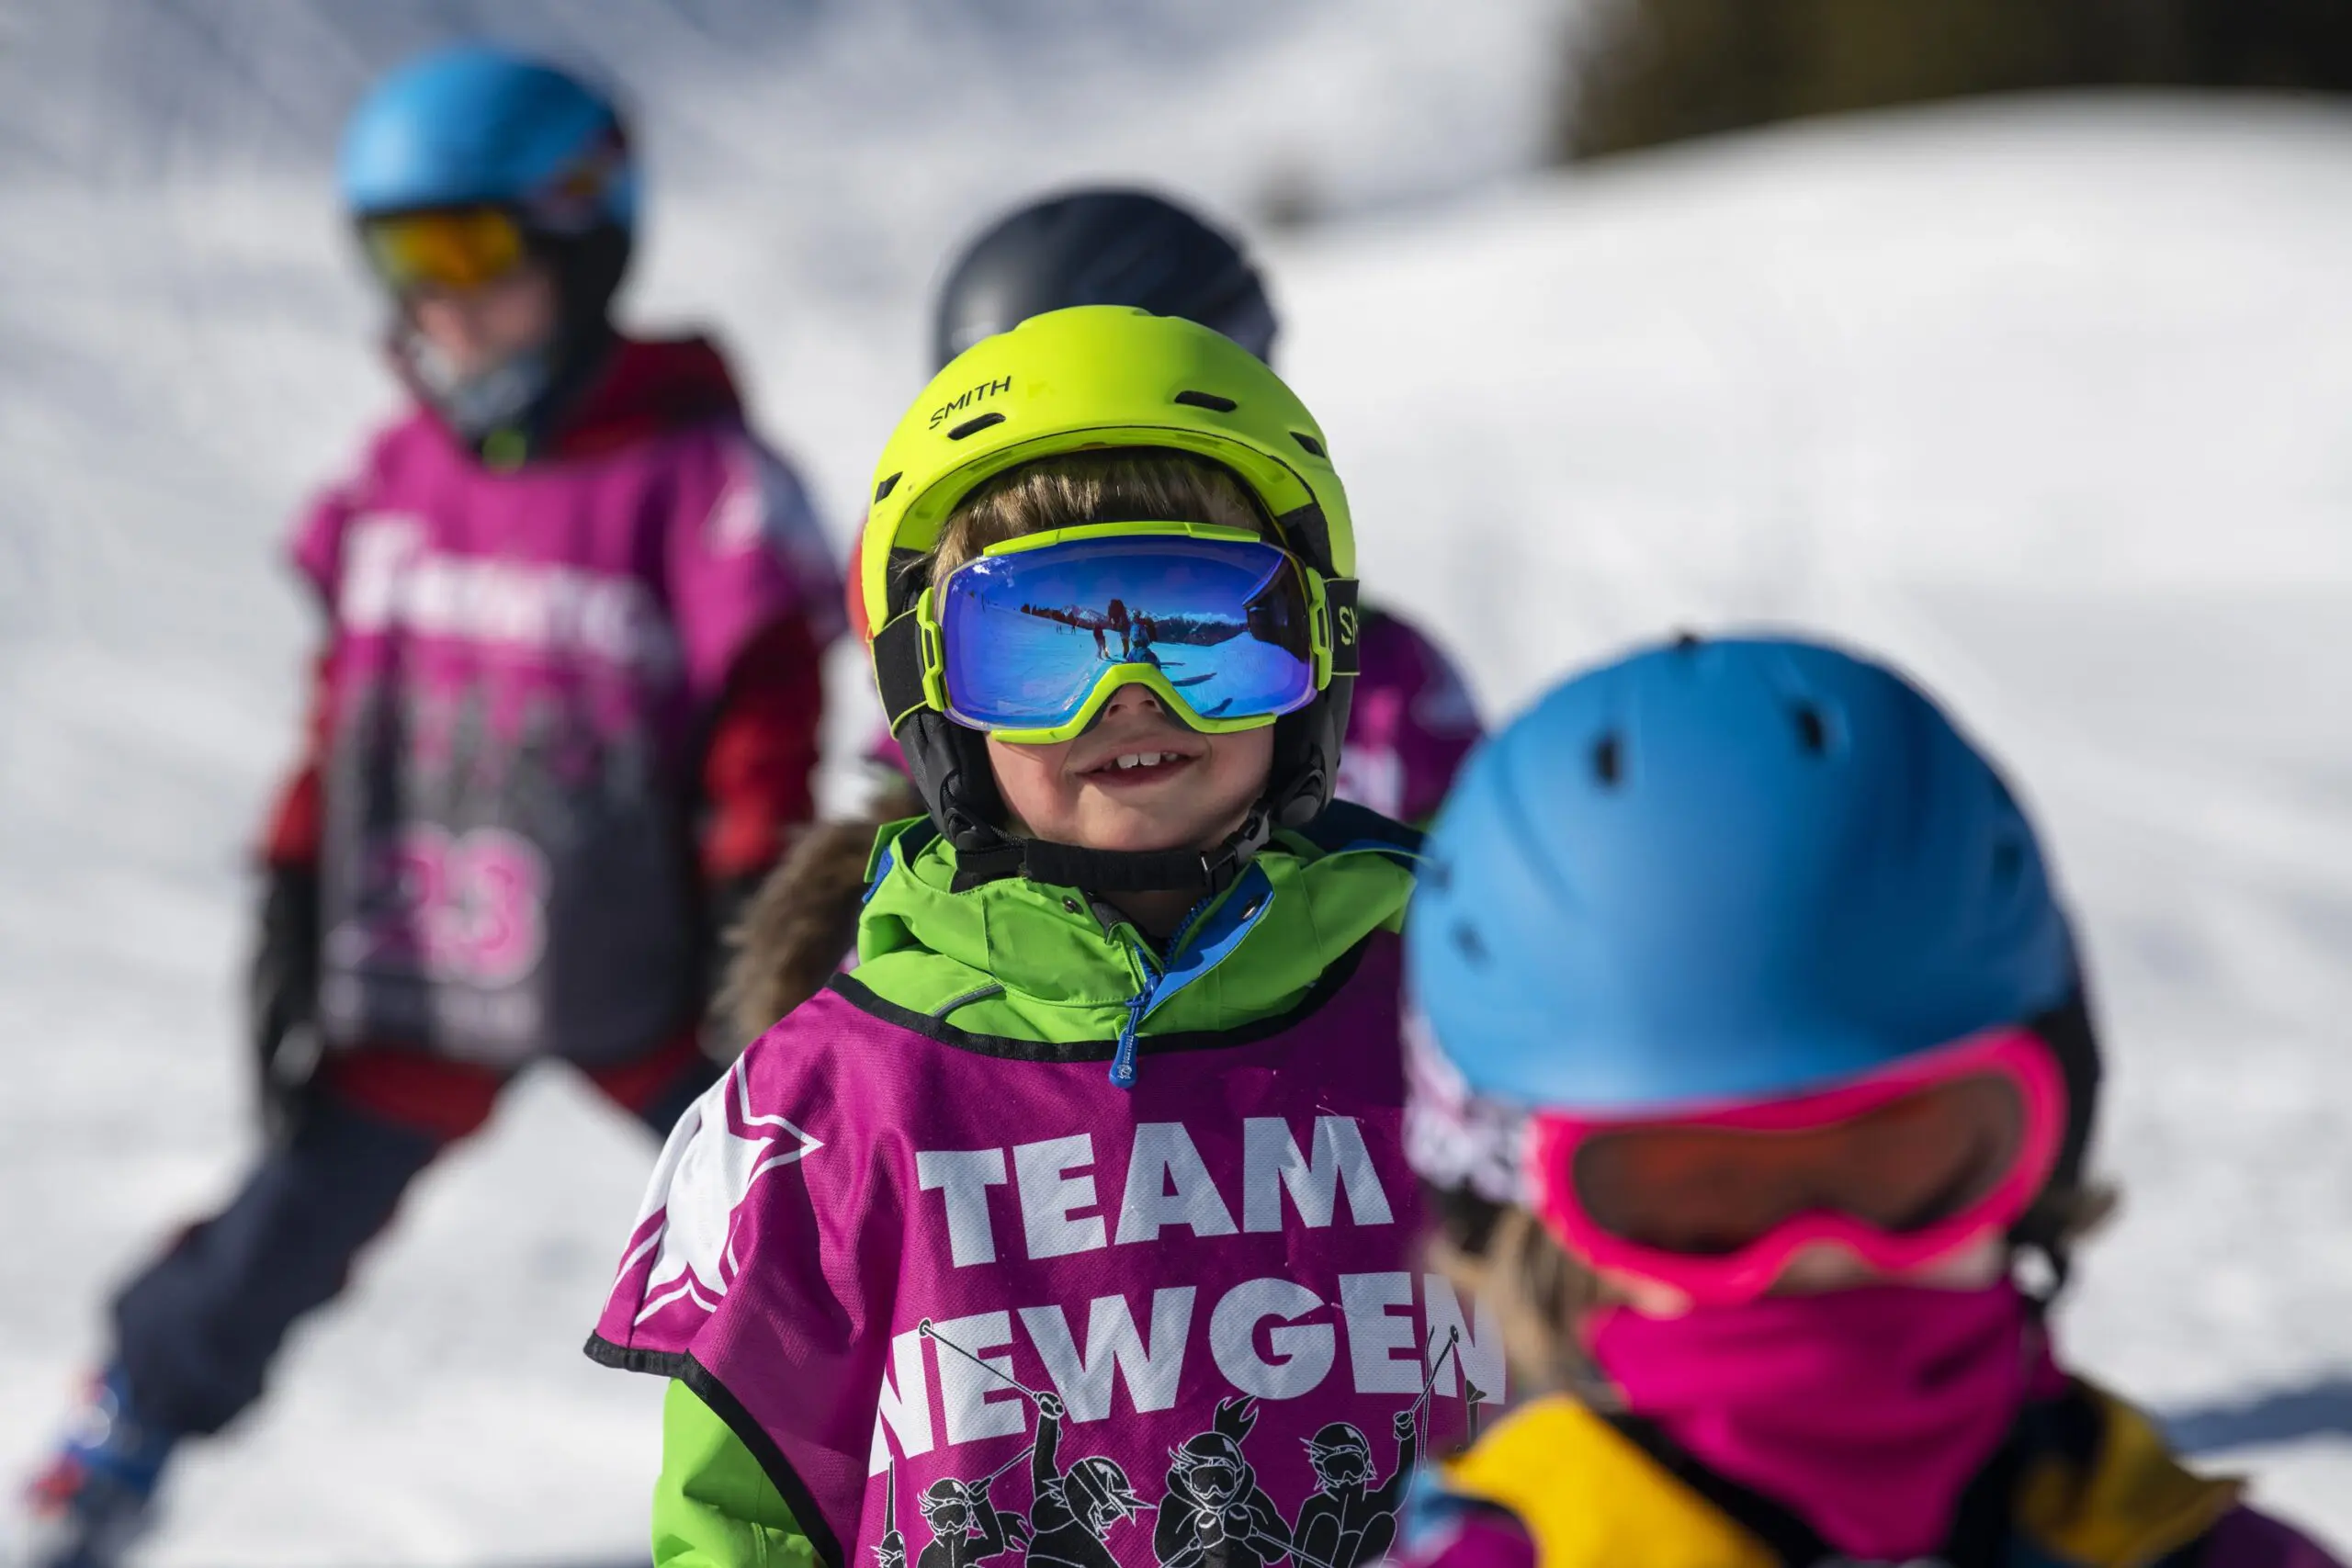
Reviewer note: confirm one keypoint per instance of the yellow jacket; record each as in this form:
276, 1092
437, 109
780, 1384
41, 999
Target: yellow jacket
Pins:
1588, 1496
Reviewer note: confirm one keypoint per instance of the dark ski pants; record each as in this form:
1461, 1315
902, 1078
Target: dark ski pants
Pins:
196, 1331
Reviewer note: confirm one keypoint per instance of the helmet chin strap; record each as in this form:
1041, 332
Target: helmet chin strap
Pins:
1138, 871
951, 769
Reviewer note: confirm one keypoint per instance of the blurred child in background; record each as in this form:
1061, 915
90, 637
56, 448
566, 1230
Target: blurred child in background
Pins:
1756, 1075
1413, 719
565, 711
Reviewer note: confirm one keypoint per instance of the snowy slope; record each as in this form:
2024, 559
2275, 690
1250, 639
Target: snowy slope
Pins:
182, 357
2046, 402
2040, 399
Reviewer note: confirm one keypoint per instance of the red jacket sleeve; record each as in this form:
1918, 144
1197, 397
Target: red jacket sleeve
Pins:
759, 767
290, 835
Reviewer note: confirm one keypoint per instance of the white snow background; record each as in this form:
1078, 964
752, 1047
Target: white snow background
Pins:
2043, 398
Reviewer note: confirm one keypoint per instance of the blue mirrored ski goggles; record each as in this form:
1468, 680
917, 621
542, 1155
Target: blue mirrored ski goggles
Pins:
1029, 639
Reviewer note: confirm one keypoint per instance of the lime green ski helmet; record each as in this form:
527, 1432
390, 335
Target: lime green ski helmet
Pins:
1099, 378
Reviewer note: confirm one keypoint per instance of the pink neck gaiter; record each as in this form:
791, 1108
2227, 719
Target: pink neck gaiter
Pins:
1866, 1412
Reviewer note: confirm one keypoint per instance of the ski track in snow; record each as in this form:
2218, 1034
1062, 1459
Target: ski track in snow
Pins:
2038, 398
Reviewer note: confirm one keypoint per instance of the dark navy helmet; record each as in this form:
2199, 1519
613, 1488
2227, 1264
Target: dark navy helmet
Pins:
1102, 246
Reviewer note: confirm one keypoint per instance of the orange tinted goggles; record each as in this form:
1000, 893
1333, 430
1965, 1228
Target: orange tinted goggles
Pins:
1899, 1168
459, 248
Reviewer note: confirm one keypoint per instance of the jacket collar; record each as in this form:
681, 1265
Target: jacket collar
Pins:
637, 390
1299, 909
647, 388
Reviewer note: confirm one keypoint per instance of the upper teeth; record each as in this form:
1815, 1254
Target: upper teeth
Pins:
1145, 759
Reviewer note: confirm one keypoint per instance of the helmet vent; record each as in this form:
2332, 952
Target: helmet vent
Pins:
1813, 732
1608, 764
2009, 863
1313, 447
974, 427
882, 491
1208, 401
1468, 942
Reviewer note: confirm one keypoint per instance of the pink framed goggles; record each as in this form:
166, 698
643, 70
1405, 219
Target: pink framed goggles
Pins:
1902, 1167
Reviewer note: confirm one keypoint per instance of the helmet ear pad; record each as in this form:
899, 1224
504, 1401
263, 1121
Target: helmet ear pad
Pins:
1305, 769
2072, 1037
2051, 1230
950, 767
588, 268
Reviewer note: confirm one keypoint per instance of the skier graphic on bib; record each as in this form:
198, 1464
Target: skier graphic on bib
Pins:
965, 1528
1348, 1520
1074, 1511
890, 1551
1215, 1513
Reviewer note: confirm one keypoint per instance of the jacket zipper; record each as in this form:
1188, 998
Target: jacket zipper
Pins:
1123, 1059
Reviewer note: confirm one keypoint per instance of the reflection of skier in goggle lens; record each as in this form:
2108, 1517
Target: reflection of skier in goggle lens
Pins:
1227, 631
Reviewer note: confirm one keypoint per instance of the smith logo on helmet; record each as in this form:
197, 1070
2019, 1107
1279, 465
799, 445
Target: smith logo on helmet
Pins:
981, 393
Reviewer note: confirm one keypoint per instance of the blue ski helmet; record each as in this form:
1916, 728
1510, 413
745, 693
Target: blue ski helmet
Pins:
1734, 869
477, 125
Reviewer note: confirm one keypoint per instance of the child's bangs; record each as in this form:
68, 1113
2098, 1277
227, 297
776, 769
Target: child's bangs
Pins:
1072, 490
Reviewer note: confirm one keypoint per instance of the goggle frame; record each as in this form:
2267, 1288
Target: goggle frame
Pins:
397, 247
1322, 642
2015, 1053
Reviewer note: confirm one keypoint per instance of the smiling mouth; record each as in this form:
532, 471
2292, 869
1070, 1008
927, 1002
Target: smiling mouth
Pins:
1139, 766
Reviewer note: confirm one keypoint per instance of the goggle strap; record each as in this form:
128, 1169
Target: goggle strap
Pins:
899, 668
1339, 594
1307, 534
904, 582
1113, 871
